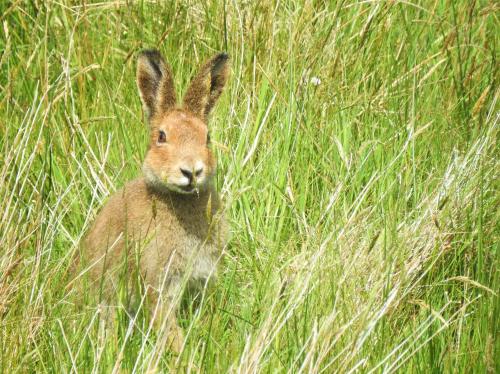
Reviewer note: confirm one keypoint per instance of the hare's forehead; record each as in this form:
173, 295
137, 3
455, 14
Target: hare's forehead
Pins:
181, 122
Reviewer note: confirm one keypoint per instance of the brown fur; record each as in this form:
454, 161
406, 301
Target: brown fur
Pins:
207, 86
155, 83
166, 224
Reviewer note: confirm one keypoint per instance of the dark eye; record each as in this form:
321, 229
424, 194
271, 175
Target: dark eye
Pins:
162, 137
208, 138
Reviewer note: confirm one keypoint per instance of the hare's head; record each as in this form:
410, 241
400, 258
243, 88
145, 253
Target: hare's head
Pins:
179, 157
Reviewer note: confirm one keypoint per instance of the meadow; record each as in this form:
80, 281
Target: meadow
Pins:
357, 161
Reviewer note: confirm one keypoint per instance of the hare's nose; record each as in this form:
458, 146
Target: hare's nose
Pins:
188, 174
198, 172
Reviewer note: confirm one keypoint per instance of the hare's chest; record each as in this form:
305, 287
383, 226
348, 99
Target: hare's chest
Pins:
197, 257
183, 248
204, 263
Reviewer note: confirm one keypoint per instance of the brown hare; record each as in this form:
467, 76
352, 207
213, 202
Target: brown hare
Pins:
166, 224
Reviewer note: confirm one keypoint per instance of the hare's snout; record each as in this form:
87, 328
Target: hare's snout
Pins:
184, 177
191, 176
193, 173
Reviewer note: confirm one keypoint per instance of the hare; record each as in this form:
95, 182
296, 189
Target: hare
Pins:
167, 224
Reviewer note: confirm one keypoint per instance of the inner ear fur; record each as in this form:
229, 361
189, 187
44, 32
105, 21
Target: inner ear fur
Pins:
207, 86
155, 83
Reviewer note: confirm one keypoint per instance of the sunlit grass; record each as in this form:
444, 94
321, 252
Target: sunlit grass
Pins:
358, 162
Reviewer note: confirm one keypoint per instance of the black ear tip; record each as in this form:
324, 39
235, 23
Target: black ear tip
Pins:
151, 54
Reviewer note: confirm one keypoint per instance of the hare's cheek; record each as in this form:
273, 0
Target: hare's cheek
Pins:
152, 167
163, 176
208, 158
157, 160
211, 163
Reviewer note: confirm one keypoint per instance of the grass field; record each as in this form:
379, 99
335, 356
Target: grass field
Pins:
358, 162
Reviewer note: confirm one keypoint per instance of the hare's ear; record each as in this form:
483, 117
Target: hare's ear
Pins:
207, 86
155, 83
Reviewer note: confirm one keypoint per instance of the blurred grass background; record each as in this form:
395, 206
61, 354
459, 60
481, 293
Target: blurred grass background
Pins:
358, 161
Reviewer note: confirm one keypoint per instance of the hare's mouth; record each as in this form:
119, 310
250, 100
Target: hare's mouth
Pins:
185, 189
189, 188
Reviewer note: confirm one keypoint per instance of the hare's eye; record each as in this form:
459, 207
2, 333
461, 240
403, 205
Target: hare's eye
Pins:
162, 137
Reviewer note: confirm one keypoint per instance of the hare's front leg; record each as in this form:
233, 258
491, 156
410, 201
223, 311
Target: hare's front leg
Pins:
164, 309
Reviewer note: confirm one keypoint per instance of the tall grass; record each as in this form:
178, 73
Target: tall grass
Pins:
358, 162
